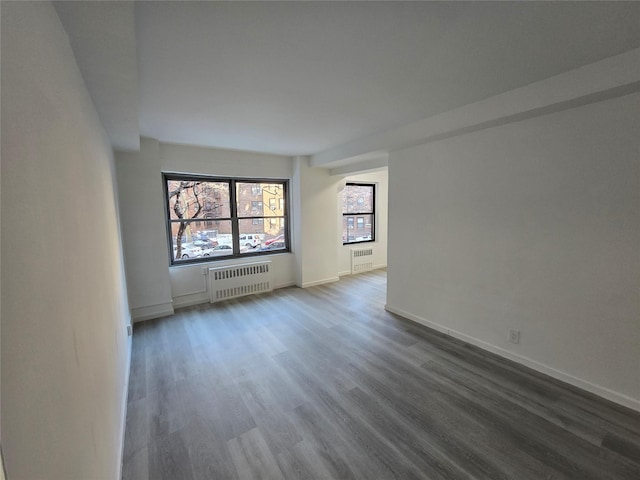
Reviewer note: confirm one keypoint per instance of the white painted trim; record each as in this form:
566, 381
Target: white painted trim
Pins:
599, 390
284, 285
196, 292
193, 299
345, 273
2, 472
152, 311
123, 419
320, 282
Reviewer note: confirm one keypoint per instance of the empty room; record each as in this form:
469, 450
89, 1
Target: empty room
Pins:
320, 240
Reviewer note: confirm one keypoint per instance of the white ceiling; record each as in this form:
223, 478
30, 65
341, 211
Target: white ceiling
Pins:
298, 78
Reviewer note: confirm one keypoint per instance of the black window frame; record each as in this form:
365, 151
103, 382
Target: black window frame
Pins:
354, 215
234, 218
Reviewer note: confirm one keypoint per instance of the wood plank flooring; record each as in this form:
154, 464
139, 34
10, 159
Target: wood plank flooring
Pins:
323, 383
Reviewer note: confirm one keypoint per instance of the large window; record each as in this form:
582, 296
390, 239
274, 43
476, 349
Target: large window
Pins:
358, 213
210, 218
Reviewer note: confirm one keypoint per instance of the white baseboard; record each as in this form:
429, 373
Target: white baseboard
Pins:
599, 390
125, 396
152, 311
320, 282
189, 300
345, 273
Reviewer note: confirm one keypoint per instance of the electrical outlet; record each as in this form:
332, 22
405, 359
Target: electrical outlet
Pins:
514, 336
129, 330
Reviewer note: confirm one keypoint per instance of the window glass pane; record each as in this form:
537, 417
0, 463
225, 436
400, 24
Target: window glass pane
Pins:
195, 243
275, 235
260, 199
200, 219
198, 199
357, 199
268, 236
357, 228
251, 235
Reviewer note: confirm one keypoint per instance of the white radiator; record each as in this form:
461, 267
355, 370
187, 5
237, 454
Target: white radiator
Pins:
239, 280
361, 259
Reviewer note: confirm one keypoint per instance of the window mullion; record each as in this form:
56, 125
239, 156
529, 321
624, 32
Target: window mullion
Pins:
235, 226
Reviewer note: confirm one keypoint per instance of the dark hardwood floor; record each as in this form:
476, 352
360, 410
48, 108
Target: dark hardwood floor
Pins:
324, 383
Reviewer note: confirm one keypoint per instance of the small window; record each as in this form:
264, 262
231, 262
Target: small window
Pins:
256, 207
358, 213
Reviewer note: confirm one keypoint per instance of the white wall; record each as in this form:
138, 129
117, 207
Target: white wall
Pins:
155, 288
144, 232
315, 228
188, 284
214, 161
534, 226
64, 307
379, 246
